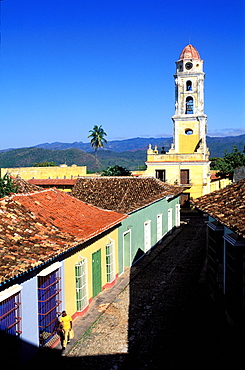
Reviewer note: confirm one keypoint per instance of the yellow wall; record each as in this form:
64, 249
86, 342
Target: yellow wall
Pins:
219, 184
69, 268
198, 175
56, 172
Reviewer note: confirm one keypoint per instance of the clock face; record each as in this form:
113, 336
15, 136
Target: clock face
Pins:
188, 65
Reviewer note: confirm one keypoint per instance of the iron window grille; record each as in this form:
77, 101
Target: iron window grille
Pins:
49, 305
10, 315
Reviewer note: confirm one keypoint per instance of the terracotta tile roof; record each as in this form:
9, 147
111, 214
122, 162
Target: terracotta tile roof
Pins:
214, 176
52, 182
24, 186
226, 205
37, 227
189, 52
122, 194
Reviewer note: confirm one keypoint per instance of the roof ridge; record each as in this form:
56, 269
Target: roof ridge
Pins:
33, 193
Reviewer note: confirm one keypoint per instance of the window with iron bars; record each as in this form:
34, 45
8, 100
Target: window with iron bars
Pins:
49, 305
10, 315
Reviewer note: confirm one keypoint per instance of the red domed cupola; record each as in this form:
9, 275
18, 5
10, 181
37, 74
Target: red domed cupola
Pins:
189, 52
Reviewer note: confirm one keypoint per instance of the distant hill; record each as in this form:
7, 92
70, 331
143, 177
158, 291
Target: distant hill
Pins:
217, 145
26, 157
115, 146
130, 153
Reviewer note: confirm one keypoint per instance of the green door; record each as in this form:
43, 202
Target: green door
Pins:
96, 272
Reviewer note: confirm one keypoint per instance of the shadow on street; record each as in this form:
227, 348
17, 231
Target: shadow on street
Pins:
172, 323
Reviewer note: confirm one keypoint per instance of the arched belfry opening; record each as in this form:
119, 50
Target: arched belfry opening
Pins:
188, 85
189, 105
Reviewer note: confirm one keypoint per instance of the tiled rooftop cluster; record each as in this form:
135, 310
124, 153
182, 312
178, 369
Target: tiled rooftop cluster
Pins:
226, 205
122, 194
36, 227
24, 186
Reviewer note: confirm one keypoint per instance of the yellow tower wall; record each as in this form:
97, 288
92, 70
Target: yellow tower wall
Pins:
188, 143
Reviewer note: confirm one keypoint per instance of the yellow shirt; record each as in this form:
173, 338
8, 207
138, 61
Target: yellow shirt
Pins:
66, 321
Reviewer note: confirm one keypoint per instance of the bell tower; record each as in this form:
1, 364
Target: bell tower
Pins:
187, 161
189, 118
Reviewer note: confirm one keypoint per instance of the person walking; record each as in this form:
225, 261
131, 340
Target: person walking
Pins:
66, 327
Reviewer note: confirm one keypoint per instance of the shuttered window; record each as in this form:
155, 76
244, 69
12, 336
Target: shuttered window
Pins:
110, 274
147, 235
81, 285
184, 177
161, 175
159, 226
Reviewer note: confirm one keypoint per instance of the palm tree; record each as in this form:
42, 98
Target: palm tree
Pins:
97, 138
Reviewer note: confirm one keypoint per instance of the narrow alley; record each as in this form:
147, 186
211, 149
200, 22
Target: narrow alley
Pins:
163, 319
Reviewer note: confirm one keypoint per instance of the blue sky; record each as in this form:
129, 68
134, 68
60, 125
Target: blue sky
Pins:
69, 65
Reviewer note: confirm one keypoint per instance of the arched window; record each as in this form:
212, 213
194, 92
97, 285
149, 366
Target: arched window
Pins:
189, 105
188, 85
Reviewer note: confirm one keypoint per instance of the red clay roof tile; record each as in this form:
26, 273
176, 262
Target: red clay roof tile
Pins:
122, 194
226, 205
36, 227
189, 52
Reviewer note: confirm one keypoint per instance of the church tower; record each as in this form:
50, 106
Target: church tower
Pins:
189, 118
187, 161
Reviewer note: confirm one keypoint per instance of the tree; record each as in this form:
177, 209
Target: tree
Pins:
97, 138
7, 186
44, 164
226, 165
116, 171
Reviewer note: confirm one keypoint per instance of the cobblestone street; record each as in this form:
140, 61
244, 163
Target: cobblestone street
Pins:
164, 318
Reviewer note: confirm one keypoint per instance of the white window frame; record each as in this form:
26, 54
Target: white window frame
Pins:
50, 269
81, 287
170, 220
9, 322
159, 226
110, 262
49, 301
147, 235
177, 215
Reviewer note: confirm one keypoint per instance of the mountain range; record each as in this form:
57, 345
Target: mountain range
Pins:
129, 153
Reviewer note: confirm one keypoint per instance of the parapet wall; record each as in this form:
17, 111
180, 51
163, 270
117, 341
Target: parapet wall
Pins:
56, 172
